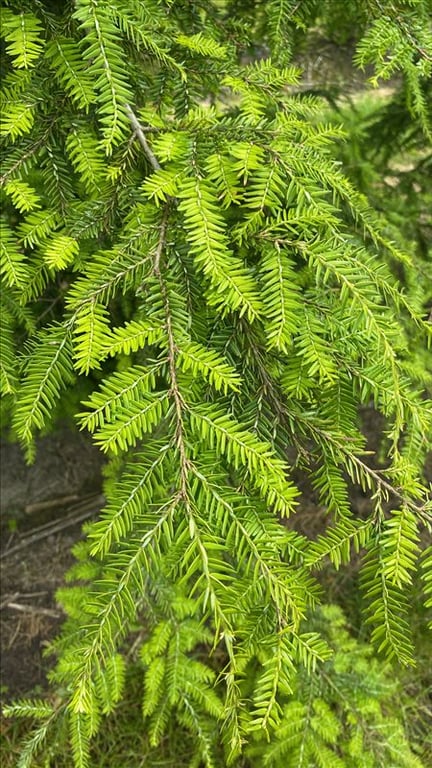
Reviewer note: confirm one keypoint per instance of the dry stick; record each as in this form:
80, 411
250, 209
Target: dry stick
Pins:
142, 139
4, 602
39, 506
59, 525
82, 503
33, 609
16, 595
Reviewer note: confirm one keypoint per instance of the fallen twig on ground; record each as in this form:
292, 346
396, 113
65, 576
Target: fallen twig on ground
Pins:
80, 512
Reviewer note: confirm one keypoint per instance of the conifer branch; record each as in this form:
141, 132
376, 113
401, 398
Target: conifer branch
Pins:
26, 155
284, 412
237, 297
172, 354
374, 474
405, 29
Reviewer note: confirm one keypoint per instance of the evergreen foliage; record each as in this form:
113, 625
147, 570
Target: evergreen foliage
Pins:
232, 299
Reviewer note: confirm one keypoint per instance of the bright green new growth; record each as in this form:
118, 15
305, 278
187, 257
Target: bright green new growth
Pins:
230, 297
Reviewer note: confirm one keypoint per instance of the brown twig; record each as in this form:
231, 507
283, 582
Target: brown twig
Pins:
40, 506
77, 516
4, 602
142, 138
33, 609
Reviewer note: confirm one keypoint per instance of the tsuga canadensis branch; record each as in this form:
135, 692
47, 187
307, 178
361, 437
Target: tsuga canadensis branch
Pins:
26, 155
375, 474
172, 353
228, 297
284, 411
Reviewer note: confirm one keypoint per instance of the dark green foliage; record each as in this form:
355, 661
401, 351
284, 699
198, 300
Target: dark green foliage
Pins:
233, 299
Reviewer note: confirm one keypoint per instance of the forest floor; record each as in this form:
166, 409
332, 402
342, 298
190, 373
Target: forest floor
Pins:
42, 508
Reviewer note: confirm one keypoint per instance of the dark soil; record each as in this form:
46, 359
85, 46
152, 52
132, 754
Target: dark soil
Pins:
38, 507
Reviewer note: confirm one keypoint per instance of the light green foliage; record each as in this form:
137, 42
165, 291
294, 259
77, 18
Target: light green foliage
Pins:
12, 262
179, 230
65, 58
340, 718
22, 31
23, 196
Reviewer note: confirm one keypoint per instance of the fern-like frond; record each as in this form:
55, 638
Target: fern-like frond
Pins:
266, 471
313, 349
221, 171
277, 676
61, 251
91, 328
101, 45
85, 155
400, 546
132, 422
328, 480
37, 708
23, 35
387, 609
162, 185
140, 486
130, 338
80, 732
17, 119
116, 391
65, 59
232, 285
337, 543
281, 300
202, 45
8, 361
33, 745
23, 196
110, 682
48, 372
13, 266
36, 227
207, 363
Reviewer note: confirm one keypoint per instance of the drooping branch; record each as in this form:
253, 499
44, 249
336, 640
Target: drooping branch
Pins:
283, 412
172, 351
